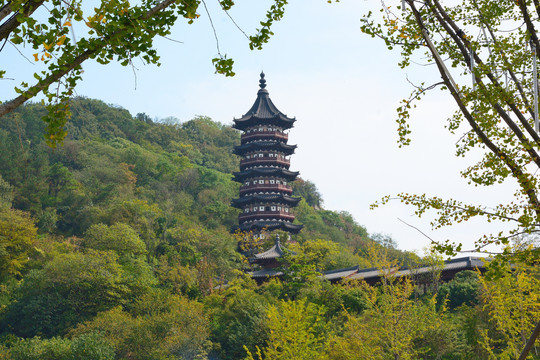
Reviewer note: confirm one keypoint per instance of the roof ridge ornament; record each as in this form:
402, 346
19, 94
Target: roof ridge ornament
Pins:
262, 81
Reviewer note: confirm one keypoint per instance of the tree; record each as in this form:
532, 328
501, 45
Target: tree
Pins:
6, 194
308, 191
496, 116
17, 238
120, 238
238, 317
297, 331
513, 303
90, 346
160, 326
390, 328
108, 28
486, 54
69, 289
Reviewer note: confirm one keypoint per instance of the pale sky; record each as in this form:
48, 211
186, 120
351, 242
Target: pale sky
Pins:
341, 85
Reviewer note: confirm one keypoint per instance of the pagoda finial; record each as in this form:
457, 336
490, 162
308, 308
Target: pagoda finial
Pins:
262, 82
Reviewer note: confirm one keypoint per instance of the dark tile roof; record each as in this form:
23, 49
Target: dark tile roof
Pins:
264, 145
263, 109
265, 171
284, 199
450, 266
268, 226
265, 273
274, 252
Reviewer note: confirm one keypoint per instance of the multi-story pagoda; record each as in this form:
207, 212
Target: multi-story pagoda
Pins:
265, 195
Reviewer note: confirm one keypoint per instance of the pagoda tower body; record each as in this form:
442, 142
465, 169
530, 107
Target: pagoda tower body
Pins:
265, 195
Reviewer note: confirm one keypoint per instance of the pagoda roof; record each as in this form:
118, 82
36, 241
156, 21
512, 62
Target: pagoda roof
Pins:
293, 201
264, 145
274, 252
263, 111
265, 273
270, 225
239, 176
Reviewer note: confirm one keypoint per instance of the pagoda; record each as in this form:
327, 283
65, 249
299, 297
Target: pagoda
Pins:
265, 195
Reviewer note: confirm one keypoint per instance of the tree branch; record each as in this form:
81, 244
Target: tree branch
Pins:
11, 105
510, 163
5, 10
12, 23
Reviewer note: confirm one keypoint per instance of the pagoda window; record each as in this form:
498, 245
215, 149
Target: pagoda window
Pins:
272, 181
287, 209
271, 155
284, 183
254, 182
260, 129
261, 155
277, 181
247, 183
261, 208
246, 210
279, 208
261, 182
273, 208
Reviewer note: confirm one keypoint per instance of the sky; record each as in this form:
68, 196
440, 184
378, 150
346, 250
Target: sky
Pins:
341, 85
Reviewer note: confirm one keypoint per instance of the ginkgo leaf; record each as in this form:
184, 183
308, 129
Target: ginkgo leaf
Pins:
61, 40
67, 23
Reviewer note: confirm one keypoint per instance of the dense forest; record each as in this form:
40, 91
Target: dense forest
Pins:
117, 245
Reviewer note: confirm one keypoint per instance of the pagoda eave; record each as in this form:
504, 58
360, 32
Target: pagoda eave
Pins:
269, 226
264, 146
288, 175
265, 198
251, 120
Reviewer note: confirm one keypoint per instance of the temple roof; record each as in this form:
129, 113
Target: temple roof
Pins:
274, 252
263, 111
269, 226
280, 198
288, 175
264, 145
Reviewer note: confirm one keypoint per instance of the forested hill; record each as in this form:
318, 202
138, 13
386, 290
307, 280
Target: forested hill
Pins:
115, 241
158, 177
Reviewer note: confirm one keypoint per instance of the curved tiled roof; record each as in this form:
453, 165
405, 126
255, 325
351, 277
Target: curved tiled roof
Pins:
264, 145
269, 226
275, 251
288, 175
263, 111
286, 199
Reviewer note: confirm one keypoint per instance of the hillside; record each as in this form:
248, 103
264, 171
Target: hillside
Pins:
128, 223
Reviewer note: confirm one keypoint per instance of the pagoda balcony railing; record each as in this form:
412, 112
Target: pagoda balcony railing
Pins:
265, 188
265, 161
263, 215
264, 135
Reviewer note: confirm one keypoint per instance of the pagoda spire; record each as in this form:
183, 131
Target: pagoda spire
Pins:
262, 81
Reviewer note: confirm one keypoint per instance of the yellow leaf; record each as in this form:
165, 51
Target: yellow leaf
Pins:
36, 57
67, 23
61, 40
47, 47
